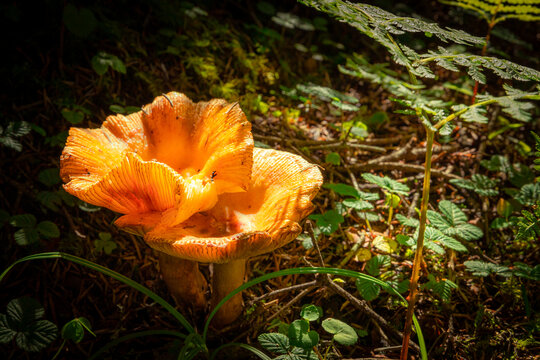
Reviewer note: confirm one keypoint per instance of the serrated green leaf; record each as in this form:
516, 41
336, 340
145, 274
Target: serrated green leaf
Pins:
274, 342
328, 222
387, 184
26, 236
343, 333
37, 336
481, 268
406, 221
49, 199
376, 263
357, 204
6, 333
478, 183
529, 194
23, 220
368, 289
72, 116
23, 311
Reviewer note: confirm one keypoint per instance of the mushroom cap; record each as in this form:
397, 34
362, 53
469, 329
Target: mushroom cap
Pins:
173, 158
241, 225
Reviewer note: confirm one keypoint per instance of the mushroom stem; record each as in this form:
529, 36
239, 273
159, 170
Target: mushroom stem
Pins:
226, 278
184, 280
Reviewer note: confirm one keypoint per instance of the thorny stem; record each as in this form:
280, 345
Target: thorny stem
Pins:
413, 287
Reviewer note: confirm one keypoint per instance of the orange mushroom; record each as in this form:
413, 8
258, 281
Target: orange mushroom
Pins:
241, 225
161, 165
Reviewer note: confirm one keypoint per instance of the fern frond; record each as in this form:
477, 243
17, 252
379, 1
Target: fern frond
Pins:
500, 10
380, 25
474, 64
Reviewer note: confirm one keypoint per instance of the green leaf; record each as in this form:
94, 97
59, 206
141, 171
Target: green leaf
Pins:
385, 244
299, 335
26, 236
479, 183
442, 288
333, 158
368, 289
117, 109
343, 189
406, 221
37, 336
343, 333
72, 116
357, 204
311, 312
452, 244
105, 243
387, 184
453, 222
525, 271
529, 194
49, 199
74, 329
266, 8
6, 333
22, 318
48, 229
23, 220
80, 22
102, 61
529, 224
274, 342
374, 265
329, 221
481, 268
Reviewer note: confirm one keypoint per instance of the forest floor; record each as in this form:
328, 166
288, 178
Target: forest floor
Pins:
243, 52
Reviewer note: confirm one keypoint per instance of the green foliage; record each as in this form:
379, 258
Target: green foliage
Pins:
102, 61
22, 322
105, 243
333, 158
355, 199
528, 226
30, 231
497, 11
341, 101
480, 184
387, 184
297, 340
452, 221
380, 25
483, 269
474, 64
368, 289
79, 21
442, 288
14, 130
343, 333
74, 329
328, 222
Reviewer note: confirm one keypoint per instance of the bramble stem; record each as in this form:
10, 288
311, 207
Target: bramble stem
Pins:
413, 287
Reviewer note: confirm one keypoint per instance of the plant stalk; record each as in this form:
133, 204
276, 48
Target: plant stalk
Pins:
413, 287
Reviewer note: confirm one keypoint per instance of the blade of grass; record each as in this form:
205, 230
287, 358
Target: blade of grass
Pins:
102, 269
136, 335
317, 270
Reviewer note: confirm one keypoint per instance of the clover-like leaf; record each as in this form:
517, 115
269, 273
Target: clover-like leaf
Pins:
301, 336
311, 312
74, 329
343, 333
48, 229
